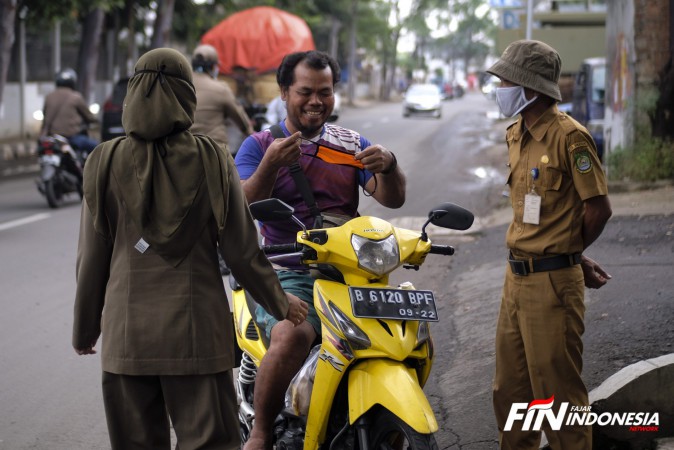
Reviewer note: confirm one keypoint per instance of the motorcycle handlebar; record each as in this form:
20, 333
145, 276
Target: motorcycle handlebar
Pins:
280, 248
442, 249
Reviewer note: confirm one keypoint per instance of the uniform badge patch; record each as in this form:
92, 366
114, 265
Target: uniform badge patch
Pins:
583, 161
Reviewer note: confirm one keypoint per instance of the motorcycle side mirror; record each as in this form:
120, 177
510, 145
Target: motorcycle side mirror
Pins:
271, 209
448, 215
274, 210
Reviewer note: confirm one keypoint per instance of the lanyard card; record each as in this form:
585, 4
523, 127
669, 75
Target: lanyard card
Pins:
532, 208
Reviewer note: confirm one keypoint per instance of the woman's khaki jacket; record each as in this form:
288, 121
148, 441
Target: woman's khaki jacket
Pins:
158, 205
162, 320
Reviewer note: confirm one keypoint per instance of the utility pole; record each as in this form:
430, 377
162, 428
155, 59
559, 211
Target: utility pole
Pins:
530, 17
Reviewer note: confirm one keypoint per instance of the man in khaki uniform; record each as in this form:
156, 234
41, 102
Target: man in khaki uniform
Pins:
216, 104
158, 204
560, 206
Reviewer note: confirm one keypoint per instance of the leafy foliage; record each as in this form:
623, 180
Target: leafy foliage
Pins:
648, 158
44, 12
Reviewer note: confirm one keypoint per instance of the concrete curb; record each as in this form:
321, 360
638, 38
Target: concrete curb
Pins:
664, 444
643, 387
640, 387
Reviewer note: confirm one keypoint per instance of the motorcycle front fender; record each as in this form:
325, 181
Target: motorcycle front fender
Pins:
48, 172
394, 386
242, 321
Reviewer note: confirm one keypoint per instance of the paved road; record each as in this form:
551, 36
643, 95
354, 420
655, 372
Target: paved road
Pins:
627, 321
51, 399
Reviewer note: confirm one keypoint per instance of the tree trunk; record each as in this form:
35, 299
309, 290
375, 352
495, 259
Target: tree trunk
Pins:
391, 57
162, 25
389, 81
351, 91
131, 50
663, 118
7, 15
384, 73
87, 59
335, 26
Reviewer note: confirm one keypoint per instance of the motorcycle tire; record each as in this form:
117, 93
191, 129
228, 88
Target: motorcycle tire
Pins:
53, 194
388, 431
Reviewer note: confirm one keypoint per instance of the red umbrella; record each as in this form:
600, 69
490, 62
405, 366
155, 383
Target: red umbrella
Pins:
258, 38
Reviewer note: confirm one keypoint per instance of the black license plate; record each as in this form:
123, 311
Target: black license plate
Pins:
399, 304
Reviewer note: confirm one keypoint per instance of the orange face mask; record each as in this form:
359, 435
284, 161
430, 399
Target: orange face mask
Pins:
333, 155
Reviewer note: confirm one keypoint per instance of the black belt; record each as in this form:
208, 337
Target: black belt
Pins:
527, 266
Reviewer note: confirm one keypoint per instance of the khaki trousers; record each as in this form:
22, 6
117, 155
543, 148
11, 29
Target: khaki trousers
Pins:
202, 409
539, 354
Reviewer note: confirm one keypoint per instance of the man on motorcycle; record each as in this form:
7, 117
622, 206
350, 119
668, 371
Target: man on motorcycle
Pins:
307, 81
67, 114
216, 103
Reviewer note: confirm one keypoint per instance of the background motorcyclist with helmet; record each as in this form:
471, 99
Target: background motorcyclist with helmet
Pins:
67, 114
216, 104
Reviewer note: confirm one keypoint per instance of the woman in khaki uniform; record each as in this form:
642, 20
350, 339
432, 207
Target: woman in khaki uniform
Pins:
560, 206
157, 204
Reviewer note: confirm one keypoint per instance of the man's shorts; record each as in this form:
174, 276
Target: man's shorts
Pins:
300, 284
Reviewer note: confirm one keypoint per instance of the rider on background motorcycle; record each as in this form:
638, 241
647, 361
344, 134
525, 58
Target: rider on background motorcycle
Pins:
307, 81
216, 104
67, 114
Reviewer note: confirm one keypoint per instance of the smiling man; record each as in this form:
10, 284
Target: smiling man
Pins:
307, 81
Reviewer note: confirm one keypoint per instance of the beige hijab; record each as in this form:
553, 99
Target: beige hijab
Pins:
165, 174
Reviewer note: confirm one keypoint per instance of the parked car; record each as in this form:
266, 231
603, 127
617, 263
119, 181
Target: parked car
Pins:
423, 99
111, 122
337, 109
588, 99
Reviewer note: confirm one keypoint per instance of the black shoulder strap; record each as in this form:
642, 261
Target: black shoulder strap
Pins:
301, 182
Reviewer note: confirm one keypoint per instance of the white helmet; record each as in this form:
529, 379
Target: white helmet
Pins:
205, 56
66, 78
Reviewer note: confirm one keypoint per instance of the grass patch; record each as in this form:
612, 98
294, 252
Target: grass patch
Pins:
649, 159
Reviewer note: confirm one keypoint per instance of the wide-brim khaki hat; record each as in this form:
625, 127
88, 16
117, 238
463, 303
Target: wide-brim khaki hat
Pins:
532, 64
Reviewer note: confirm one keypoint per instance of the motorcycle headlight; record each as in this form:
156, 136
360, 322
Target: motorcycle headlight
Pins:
377, 257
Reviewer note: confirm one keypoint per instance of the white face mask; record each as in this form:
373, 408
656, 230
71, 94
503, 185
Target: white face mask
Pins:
512, 100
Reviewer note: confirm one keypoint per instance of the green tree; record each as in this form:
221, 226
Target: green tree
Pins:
163, 23
390, 50
88, 14
471, 42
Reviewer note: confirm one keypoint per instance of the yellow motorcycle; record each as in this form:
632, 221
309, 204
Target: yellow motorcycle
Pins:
361, 387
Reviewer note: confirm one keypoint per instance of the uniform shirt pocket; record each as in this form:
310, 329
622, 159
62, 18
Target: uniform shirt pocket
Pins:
552, 183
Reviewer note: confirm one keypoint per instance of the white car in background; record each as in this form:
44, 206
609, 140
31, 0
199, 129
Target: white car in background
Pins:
423, 99
337, 109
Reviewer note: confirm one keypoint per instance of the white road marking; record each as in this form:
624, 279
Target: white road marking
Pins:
24, 221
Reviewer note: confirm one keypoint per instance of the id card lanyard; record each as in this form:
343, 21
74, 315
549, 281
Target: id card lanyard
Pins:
532, 201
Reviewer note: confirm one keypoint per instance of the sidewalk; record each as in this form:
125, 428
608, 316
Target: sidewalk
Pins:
18, 157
